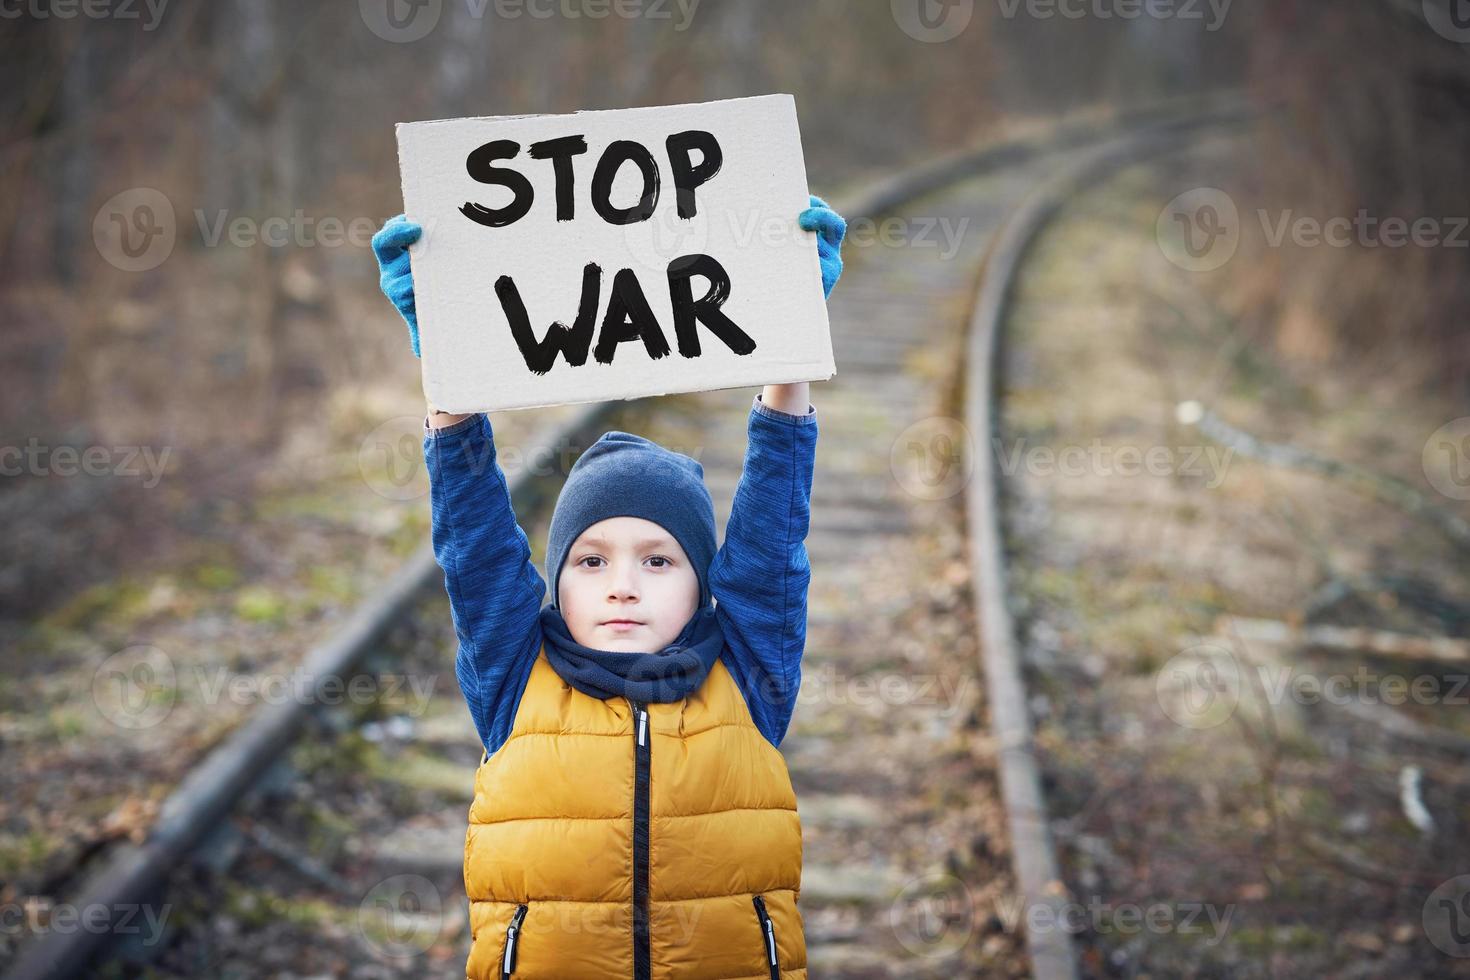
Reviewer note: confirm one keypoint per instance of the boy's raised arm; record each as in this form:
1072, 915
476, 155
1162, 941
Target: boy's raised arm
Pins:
760, 574
759, 577
495, 591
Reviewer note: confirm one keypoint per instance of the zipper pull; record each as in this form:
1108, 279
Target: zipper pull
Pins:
642, 725
770, 930
512, 935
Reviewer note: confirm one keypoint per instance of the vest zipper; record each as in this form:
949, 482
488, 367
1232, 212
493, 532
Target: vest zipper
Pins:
642, 959
768, 930
512, 937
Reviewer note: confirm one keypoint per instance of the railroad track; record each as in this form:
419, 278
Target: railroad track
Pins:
908, 832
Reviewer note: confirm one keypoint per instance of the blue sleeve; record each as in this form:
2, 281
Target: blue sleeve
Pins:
495, 591
759, 577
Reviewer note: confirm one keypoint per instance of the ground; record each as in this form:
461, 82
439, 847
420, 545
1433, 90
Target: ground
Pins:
1185, 776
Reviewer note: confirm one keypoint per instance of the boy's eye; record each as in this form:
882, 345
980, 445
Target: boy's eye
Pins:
664, 562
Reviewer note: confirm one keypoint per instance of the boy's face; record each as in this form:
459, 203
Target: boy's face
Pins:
627, 568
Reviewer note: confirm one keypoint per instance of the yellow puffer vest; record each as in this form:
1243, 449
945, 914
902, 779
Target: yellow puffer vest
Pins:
612, 840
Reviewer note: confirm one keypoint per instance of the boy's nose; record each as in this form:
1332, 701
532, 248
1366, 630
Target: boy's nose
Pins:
624, 586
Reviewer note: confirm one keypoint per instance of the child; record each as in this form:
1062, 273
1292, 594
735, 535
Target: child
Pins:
632, 816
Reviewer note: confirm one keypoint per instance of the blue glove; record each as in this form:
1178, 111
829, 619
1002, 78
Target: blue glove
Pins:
390, 245
830, 229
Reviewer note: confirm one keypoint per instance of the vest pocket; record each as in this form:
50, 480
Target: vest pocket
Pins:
512, 940
768, 934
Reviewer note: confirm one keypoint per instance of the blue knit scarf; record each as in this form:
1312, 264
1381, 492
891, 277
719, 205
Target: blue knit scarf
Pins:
671, 674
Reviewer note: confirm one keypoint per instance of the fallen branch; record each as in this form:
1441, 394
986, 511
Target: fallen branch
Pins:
1351, 862
293, 856
1392, 722
1407, 591
1403, 727
1386, 488
1350, 638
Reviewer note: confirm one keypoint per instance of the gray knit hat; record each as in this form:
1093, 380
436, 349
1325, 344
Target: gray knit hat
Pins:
623, 475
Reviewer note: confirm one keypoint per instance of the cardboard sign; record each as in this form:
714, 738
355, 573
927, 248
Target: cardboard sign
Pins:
612, 254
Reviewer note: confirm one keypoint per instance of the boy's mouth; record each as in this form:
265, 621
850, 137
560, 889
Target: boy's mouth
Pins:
622, 624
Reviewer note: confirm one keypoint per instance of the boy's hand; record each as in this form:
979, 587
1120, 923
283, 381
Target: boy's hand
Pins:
830, 229
390, 245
